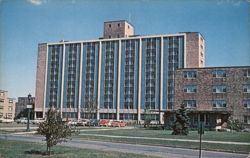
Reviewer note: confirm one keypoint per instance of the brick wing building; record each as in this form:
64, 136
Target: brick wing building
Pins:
212, 94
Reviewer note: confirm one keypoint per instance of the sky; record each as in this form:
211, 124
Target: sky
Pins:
225, 25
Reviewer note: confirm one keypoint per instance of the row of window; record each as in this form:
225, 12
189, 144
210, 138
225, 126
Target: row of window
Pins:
215, 103
216, 88
215, 73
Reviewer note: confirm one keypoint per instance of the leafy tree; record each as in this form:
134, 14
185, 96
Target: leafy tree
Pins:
54, 129
181, 123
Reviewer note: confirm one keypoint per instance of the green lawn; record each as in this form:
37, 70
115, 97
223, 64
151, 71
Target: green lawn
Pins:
14, 149
13, 127
209, 135
14, 124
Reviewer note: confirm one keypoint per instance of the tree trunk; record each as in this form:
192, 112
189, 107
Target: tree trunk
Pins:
47, 149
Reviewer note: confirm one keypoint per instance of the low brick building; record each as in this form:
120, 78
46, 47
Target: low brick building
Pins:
7, 106
212, 94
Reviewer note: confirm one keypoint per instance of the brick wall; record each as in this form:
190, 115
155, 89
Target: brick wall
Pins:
117, 29
40, 77
195, 50
234, 95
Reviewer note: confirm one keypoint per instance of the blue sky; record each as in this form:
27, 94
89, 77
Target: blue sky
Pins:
225, 25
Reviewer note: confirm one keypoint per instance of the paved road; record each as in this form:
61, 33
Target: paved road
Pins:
165, 152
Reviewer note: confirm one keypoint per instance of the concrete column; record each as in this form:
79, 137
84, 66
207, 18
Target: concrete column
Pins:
99, 81
119, 83
62, 85
161, 82
80, 83
139, 81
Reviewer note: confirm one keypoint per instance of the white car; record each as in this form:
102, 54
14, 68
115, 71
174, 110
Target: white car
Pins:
22, 120
72, 122
6, 120
37, 121
82, 122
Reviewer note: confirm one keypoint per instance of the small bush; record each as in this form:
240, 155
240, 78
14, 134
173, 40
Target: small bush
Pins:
234, 124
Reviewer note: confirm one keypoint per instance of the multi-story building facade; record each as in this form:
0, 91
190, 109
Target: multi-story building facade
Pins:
125, 73
212, 94
22, 103
7, 106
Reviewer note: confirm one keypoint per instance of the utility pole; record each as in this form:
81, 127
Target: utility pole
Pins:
29, 106
201, 132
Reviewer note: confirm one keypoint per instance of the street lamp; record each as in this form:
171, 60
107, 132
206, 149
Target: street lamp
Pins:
29, 106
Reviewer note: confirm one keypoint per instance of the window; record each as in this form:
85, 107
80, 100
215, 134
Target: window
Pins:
1, 94
190, 89
207, 119
247, 73
109, 25
118, 24
128, 26
10, 101
109, 36
219, 73
219, 89
190, 103
246, 88
246, 103
190, 74
195, 119
219, 104
201, 46
247, 119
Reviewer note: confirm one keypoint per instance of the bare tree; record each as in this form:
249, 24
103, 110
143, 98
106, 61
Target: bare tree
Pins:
91, 107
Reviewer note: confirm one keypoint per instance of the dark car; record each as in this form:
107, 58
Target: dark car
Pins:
92, 123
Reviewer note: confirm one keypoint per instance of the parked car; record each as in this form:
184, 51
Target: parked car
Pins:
37, 121
82, 122
123, 123
6, 120
92, 122
22, 120
72, 122
118, 124
105, 123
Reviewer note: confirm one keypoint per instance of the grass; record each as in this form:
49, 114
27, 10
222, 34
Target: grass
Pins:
13, 127
209, 135
141, 132
14, 124
13, 149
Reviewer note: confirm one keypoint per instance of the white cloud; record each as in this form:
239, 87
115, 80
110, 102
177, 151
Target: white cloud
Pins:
232, 2
37, 2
